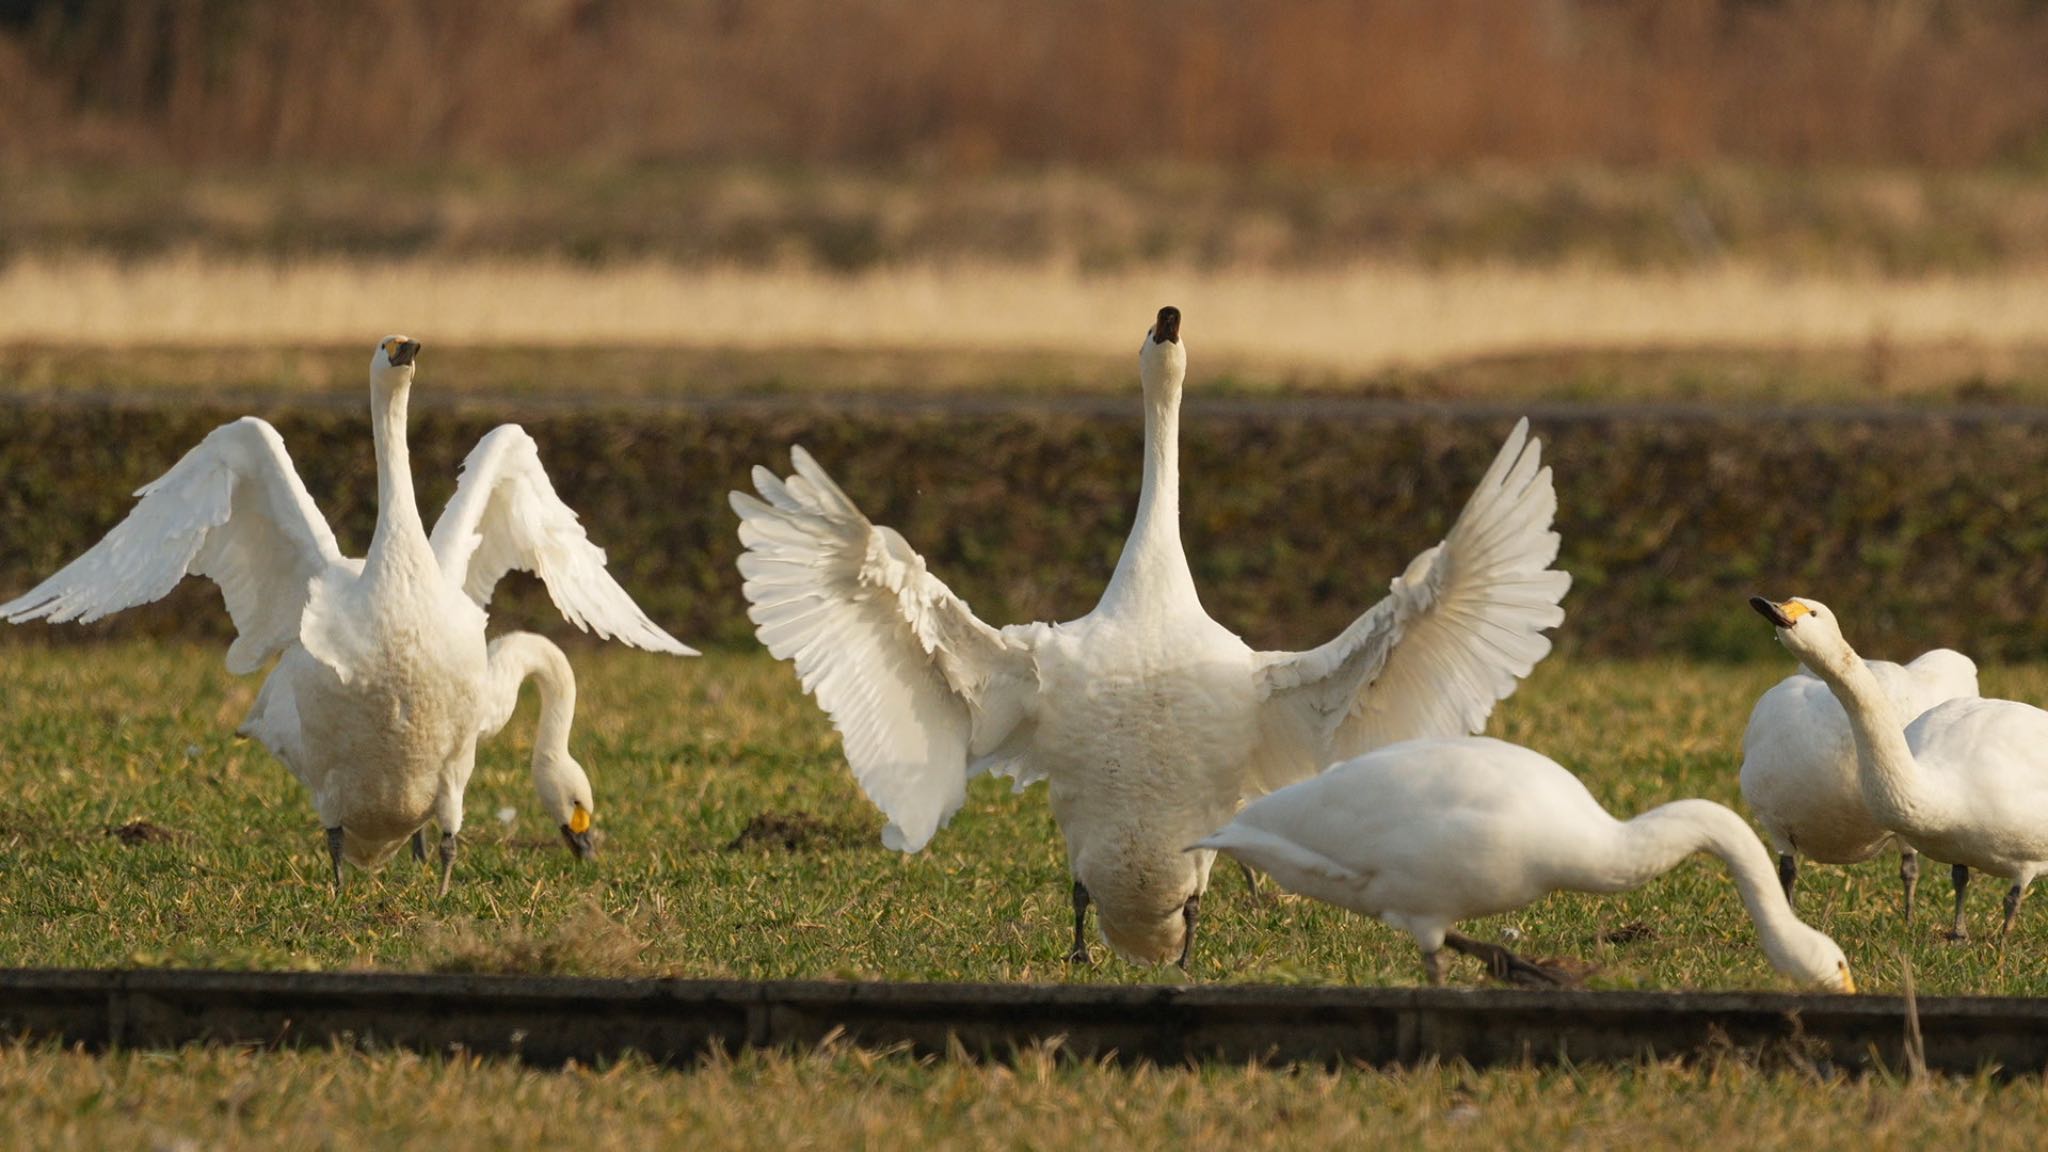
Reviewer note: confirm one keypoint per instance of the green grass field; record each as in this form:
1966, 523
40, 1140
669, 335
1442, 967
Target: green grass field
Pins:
686, 756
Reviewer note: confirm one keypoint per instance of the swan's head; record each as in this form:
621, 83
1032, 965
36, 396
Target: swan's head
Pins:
1163, 359
1807, 629
565, 793
1810, 957
391, 364
1142, 906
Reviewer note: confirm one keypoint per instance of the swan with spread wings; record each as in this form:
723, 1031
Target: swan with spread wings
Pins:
383, 682
1149, 722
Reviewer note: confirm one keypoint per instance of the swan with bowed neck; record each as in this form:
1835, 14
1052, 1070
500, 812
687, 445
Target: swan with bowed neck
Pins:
1799, 773
1966, 782
383, 680
1426, 833
1149, 722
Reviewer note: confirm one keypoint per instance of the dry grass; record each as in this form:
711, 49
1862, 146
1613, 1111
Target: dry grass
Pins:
1317, 82
1352, 321
839, 1098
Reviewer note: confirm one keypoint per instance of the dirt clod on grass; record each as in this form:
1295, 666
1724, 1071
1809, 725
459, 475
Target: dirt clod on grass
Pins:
137, 832
795, 832
1633, 932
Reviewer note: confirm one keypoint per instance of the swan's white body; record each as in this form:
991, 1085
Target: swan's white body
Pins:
1966, 782
383, 682
1799, 773
1426, 833
1149, 721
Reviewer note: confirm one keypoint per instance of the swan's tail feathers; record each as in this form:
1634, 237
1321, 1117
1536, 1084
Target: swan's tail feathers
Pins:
918, 688
1455, 634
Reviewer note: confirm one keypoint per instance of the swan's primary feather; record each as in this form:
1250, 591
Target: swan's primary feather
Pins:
1455, 633
917, 685
232, 510
505, 515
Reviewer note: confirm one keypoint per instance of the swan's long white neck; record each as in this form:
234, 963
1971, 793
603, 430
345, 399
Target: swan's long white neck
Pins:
1656, 841
1153, 571
1897, 792
398, 511
516, 656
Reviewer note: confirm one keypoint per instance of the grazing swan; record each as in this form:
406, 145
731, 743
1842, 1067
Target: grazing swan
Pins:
383, 682
1965, 782
1149, 721
1426, 833
1799, 765
563, 785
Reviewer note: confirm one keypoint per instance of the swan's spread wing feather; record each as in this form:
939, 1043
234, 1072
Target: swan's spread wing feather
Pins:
505, 515
1455, 633
923, 693
232, 510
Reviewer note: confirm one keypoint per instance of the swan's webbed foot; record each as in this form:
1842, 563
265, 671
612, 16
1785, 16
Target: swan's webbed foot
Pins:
1505, 966
1188, 912
1079, 953
1788, 874
1959, 875
1909, 876
335, 840
419, 845
2017, 893
1256, 891
447, 860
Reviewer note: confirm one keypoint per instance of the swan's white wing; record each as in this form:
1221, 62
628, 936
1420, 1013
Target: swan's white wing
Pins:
232, 510
922, 692
1455, 633
505, 515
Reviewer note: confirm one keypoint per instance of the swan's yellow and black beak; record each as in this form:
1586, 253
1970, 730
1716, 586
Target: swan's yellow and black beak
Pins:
1782, 615
1166, 330
401, 352
576, 834
1848, 981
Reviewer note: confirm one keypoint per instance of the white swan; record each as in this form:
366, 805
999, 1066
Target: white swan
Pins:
384, 683
563, 785
1426, 833
1799, 765
1149, 721
1966, 782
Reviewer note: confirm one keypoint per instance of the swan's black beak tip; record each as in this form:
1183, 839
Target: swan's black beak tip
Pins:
1770, 611
1166, 330
580, 843
406, 352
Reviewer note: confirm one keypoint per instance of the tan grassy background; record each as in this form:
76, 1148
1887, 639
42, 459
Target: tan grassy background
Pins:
1356, 320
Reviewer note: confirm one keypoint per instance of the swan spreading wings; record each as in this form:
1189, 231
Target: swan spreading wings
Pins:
1150, 722
383, 681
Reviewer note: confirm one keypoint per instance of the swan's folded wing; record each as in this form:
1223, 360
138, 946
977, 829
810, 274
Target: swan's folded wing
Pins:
505, 515
232, 510
923, 693
1456, 632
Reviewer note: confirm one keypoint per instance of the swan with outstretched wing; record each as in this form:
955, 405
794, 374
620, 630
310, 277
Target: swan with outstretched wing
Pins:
383, 682
1149, 722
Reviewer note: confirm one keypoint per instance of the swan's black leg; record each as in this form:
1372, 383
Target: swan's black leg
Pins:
419, 845
1505, 965
1251, 884
1788, 873
1959, 875
1909, 875
334, 843
447, 860
1079, 954
2012, 909
1433, 967
1188, 912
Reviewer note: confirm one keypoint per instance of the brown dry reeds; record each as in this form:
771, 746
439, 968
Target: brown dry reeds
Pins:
998, 81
